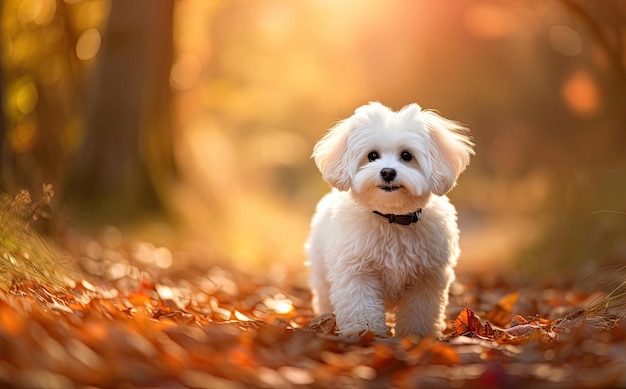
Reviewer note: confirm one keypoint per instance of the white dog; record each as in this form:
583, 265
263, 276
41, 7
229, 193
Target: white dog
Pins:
386, 237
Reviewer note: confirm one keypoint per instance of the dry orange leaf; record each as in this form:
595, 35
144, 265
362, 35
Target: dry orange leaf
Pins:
521, 334
467, 322
139, 298
501, 314
324, 323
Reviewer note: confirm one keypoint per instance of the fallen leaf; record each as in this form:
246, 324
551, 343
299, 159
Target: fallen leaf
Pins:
467, 323
324, 323
501, 314
521, 334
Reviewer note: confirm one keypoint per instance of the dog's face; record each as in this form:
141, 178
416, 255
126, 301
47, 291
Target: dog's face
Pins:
393, 161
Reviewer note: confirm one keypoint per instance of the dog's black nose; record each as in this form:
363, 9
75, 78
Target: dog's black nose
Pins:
388, 174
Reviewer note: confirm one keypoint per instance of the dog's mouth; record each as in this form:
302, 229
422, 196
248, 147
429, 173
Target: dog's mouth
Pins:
389, 188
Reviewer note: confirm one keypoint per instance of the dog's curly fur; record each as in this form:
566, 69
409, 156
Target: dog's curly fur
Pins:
361, 264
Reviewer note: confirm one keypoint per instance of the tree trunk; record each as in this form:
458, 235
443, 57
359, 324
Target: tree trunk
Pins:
127, 151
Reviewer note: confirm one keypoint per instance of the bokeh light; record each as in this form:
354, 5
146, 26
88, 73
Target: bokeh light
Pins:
581, 93
565, 40
88, 44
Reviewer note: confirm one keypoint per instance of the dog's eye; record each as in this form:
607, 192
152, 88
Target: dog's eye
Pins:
372, 156
406, 156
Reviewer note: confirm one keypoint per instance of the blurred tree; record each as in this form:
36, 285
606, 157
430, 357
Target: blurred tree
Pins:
101, 134
127, 150
36, 63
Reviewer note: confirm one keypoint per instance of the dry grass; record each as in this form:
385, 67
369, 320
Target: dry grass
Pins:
609, 308
24, 254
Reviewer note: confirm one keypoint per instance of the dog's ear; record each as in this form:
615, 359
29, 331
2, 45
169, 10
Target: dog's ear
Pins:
330, 156
450, 152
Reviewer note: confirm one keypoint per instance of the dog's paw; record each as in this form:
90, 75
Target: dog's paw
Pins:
360, 329
353, 331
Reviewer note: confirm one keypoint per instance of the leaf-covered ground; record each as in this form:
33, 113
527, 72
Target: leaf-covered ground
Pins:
129, 322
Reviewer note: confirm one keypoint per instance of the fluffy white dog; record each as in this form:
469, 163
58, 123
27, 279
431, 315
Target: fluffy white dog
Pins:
386, 237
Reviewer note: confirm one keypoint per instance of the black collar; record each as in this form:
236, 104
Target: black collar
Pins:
405, 219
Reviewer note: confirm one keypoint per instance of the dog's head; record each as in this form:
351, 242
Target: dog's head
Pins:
393, 161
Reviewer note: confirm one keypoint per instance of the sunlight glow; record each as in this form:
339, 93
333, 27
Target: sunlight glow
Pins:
488, 20
279, 304
240, 316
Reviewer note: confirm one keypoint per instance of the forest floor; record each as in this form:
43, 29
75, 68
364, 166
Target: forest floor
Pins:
125, 318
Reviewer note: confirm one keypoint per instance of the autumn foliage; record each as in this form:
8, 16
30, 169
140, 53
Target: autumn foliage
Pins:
219, 328
124, 315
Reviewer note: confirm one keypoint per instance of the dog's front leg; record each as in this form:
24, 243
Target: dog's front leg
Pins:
359, 305
421, 310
